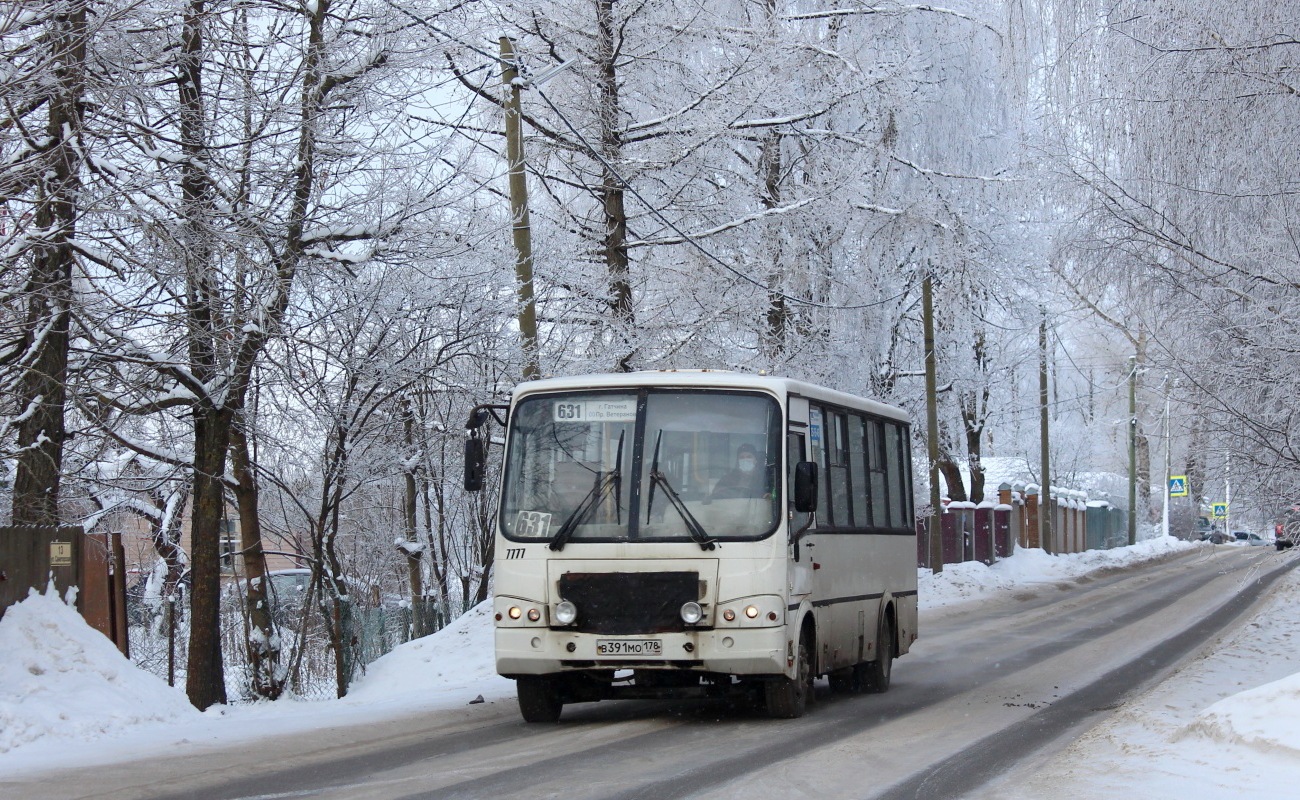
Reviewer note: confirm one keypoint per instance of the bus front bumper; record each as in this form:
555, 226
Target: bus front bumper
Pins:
738, 651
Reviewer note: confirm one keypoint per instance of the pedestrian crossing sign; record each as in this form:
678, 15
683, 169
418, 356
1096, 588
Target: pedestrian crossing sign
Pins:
1220, 510
1177, 485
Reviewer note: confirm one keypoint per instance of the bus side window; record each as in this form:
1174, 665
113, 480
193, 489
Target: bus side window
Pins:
837, 470
858, 473
876, 464
894, 450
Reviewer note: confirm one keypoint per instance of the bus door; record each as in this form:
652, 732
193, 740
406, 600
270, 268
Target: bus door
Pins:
799, 572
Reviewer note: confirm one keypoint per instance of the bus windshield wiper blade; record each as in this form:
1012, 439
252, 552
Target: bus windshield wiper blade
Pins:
581, 513
612, 479
657, 478
654, 470
693, 526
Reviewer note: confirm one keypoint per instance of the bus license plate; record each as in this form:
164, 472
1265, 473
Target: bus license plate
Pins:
629, 647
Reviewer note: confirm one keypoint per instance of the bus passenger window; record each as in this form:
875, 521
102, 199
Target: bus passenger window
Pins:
837, 470
858, 472
876, 464
894, 470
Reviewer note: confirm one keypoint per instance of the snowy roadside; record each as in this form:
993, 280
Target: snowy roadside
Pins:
1225, 724
67, 696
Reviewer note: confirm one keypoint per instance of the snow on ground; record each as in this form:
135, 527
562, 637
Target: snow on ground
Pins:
61, 678
1228, 723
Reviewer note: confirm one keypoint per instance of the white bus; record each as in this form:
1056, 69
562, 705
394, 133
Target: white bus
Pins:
664, 534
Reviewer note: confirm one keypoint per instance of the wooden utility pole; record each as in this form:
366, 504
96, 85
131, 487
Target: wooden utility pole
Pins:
1045, 508
1132, 450
1164, 518
521, 229
935, 527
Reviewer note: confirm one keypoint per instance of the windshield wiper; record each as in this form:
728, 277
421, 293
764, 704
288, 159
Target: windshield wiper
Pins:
657, 478
613, 478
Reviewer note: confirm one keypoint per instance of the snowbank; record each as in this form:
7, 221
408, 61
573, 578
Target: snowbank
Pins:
61, 678
1266, 718
972, 580
455, 661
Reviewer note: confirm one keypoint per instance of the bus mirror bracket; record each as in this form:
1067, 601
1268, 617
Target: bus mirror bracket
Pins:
481, 413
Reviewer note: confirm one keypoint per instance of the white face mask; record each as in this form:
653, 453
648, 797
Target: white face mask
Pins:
746, 464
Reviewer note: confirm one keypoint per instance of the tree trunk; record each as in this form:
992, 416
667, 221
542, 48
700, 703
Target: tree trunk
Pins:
436, 521
205, 683
974, 405
414, 559
41, 432
952, 479
165, 533
335, 599
611, 192
264, 641
778, 313
976, 465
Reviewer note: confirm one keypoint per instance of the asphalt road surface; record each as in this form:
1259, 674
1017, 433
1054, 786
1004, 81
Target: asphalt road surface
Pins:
986, 686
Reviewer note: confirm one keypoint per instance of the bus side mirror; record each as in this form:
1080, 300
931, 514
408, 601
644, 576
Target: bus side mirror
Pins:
805, 487
475, 459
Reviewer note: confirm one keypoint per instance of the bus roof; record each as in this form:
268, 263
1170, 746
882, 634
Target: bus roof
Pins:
710, 379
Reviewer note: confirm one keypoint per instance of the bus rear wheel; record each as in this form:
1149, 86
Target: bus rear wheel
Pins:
787, 698
539, 698
874, 676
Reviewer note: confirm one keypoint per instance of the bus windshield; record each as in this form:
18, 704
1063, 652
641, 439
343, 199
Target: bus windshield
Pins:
648, 465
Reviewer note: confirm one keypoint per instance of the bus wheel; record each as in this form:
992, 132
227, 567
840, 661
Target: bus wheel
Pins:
875, 674
787, 698
539, 698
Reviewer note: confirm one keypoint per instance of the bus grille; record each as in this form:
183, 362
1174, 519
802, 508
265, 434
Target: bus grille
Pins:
621, 603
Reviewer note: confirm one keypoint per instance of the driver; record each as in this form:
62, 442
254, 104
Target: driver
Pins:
744, 480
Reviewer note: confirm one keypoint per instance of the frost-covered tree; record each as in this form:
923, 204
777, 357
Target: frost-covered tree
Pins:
1177, 123
44, 149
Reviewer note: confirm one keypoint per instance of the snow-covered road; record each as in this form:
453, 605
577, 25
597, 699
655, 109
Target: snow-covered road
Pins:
1015, 663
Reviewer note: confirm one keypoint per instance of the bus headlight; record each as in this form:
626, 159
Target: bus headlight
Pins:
515, 612
566, 613
691, 612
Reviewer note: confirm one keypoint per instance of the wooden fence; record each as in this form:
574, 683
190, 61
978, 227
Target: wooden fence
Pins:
989, 531
30, 558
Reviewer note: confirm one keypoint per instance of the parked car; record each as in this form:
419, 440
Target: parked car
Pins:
1216, 537
1252, 539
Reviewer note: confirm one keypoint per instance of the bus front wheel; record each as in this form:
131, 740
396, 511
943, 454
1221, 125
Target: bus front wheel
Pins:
539, 698
787, 698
